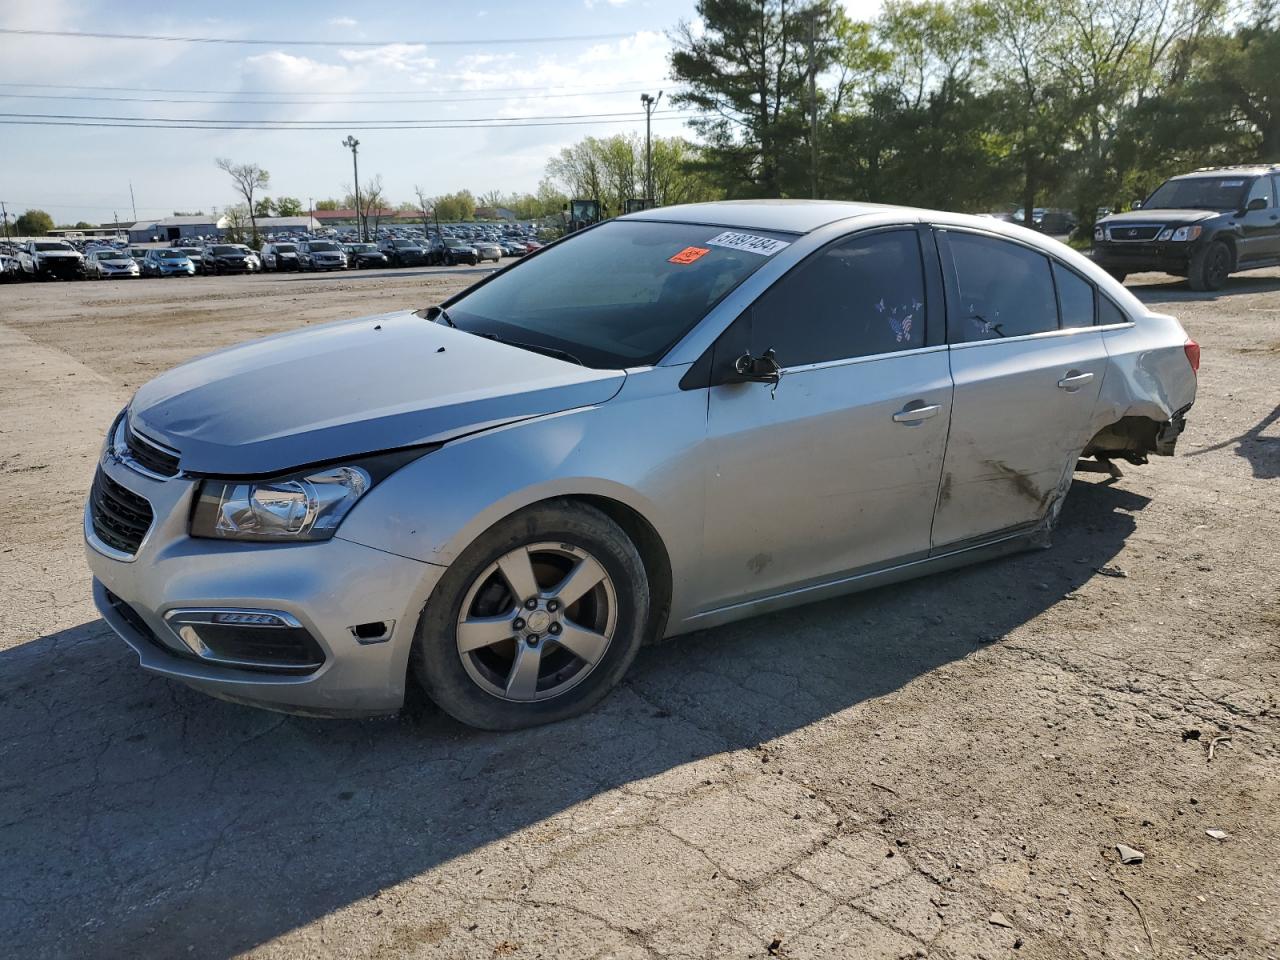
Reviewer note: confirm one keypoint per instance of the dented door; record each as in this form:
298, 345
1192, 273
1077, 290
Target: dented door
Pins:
1021, 415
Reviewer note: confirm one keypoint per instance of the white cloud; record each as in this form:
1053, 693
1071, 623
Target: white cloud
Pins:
342, 22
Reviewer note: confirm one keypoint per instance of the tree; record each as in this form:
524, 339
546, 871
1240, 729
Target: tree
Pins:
264, 207
239, 224
248, 178
747, 75
456, 206
289, 207
611, 170
373, 201
329, 204
33, 223
424, 205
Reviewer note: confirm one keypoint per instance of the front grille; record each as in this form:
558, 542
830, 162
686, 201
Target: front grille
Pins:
149, 455
120, 517
1137, 233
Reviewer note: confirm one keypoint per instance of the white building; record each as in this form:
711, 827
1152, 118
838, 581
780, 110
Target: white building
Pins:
288, 224
176, 228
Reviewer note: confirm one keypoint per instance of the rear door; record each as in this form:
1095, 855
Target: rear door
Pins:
835, 469
1028, 361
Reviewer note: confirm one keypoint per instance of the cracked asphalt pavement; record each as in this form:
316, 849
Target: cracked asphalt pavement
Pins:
883, 775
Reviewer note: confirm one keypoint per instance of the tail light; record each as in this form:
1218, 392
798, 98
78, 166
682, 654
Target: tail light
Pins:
1193, 355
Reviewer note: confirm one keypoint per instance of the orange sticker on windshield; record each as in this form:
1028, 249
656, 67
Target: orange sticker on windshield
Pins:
690, 254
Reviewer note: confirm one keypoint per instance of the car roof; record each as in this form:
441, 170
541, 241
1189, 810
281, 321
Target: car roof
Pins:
1238, 170
786, 216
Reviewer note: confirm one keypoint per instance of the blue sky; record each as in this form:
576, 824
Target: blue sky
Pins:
82, 173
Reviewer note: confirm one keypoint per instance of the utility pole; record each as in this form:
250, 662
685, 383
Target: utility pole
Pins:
649, 103
133, 202
4, 215
354, 145
813, 102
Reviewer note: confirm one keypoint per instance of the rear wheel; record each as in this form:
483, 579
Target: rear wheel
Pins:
1210, 266
534, 622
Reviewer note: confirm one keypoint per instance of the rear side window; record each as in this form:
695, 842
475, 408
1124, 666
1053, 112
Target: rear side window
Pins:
1075, 298
1005, 290
856, 298
1109, 313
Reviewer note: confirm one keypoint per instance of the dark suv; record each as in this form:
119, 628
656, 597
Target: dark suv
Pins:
1203, 226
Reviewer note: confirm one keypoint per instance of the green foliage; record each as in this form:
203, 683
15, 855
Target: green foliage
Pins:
329, 204
454, 207
33, 223
612, 170
975, 104
289, 207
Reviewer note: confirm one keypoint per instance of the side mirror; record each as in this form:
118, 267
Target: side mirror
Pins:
1137, 205
1257, 203
762, 369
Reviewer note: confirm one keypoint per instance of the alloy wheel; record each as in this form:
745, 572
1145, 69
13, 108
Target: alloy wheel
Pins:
536, 621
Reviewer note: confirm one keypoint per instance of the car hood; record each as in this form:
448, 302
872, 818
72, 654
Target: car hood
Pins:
349, 388
1156, 215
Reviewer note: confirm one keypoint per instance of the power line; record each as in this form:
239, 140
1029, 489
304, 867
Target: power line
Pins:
236, 126
253, 124
303, 93
249, 103
478, 41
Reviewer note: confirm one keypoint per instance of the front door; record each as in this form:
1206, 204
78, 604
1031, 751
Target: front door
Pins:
1028, 363
835, 469
1261, 228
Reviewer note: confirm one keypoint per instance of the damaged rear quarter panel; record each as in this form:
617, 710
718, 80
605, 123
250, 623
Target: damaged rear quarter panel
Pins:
1148, 373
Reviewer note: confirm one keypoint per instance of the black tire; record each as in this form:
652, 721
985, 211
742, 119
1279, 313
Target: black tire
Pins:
1210, 266
438, 664
1117, 275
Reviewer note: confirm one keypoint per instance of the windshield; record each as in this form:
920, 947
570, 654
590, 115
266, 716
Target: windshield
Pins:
323, 245
404, 244
53, 247
188, 251
172, 255
113, 255
452, 242
619, 295
1199, 193
361, 248
223, 250
286, 248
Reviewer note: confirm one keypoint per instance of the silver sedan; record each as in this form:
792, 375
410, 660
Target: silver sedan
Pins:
669, 421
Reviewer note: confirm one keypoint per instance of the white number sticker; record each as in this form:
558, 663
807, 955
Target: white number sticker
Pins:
1231, 183
749, 242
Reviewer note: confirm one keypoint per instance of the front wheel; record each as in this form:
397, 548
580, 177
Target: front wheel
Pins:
535, 621
1210, 266
1117, 275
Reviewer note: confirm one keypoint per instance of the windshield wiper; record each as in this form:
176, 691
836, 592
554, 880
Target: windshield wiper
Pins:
535, 348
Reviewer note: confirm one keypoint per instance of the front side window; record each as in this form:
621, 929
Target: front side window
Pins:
1005, 290
618, 295
856, 298
1261, 190
1075, 297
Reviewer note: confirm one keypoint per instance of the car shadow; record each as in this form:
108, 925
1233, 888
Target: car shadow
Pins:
1263, 453
139, 818
1175, 289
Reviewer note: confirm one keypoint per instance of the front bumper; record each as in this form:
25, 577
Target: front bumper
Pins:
1155, 256
330, 587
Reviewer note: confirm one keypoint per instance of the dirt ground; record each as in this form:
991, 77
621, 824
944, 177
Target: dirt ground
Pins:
938, 769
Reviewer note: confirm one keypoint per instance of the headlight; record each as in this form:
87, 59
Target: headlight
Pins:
307, 505
1099, 233
1179, 234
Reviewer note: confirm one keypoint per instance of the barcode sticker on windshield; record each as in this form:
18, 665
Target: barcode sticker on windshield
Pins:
1231, 183
764, 246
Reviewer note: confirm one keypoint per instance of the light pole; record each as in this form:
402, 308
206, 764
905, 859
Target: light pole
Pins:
354, 144
649, 103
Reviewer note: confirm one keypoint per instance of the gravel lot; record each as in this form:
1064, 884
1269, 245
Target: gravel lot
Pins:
878, 776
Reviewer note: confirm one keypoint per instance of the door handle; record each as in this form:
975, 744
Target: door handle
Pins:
1074, 380
910, 414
